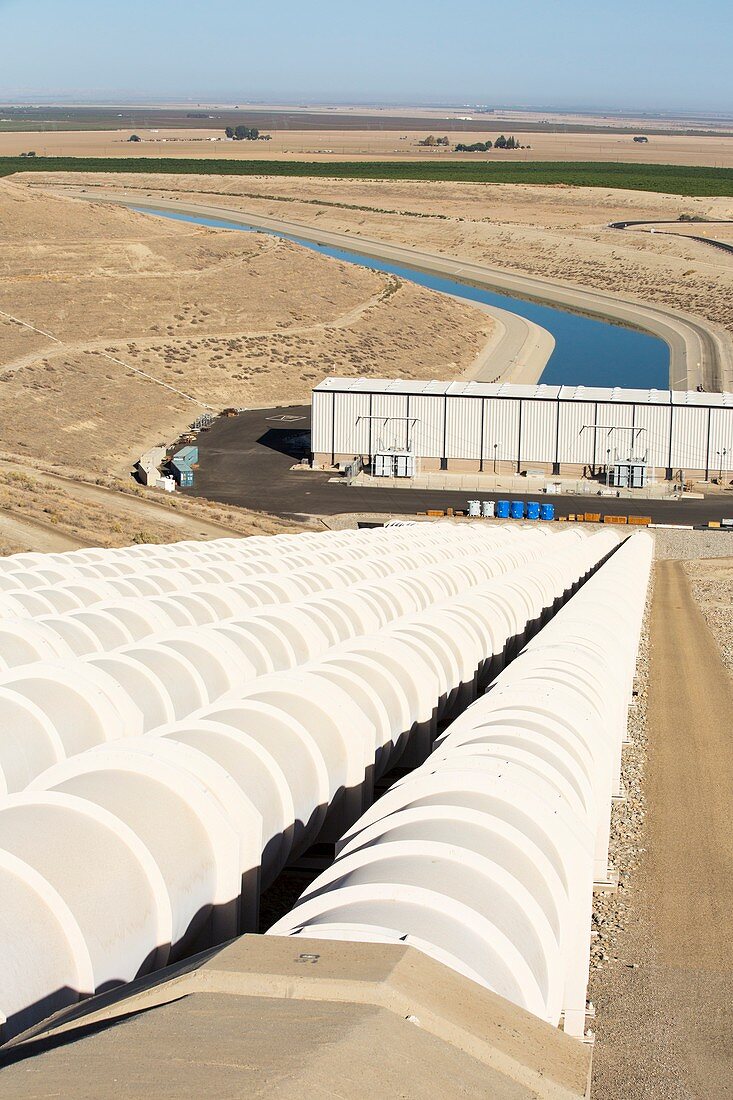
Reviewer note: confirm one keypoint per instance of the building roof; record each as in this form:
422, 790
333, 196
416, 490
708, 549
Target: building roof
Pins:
463, 388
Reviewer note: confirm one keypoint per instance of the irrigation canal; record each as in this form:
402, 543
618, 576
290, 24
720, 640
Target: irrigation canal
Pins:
588, 352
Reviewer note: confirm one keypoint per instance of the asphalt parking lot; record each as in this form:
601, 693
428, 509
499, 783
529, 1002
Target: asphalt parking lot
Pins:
246, 460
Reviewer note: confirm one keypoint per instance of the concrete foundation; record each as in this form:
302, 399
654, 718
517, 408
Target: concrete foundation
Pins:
266, 1016
506, 468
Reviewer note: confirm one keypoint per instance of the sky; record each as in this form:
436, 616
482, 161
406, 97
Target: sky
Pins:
654, 54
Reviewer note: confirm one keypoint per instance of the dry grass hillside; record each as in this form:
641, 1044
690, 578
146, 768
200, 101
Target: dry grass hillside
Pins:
116, 328
41, 510
559, 232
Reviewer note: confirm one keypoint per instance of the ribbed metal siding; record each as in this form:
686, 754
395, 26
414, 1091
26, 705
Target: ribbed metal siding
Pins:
721, 439
656, 438
539, 430
575, 439
689, 447
321, 421
427, 433
351, 435
689, 438
501, 425
463, 427
392, 434
613, 420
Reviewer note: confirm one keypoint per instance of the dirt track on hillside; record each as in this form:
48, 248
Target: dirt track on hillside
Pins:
666, 1029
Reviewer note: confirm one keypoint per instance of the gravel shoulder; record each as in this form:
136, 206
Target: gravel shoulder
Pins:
692, 545
712, 586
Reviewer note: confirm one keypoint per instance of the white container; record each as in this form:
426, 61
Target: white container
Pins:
404, 464
474, 507
487, 509
382, 465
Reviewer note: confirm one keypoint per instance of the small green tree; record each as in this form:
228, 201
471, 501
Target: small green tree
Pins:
229, 132
500, 142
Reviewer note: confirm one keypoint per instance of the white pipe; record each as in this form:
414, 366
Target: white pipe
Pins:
220, 796
485, 856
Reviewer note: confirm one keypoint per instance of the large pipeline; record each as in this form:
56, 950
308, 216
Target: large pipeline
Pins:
123, 857
485, 857
76, 682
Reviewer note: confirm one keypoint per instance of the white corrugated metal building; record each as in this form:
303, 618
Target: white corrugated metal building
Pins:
477, 426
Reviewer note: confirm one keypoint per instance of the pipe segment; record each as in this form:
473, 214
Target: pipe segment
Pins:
227, 558
118, 615
185, 824
168, 676
485, 856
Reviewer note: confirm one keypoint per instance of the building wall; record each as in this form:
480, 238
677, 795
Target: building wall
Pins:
471, 433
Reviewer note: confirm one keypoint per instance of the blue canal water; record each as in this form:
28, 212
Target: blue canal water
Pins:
587, 352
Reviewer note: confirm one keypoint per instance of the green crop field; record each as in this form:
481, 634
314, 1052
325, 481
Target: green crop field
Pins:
669, 179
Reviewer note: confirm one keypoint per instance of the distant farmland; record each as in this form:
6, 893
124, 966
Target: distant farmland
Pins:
667, 179
49, 119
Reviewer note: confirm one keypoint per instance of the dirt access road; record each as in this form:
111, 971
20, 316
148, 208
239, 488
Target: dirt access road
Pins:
667, 1031
41, 536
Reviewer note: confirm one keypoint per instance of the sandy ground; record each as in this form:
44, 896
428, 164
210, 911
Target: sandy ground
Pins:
559, 233
117, 329
324, 145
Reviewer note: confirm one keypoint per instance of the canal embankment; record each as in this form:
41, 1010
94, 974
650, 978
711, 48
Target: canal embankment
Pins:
700, 353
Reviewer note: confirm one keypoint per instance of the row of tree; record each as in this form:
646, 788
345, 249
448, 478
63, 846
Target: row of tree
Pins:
486, 146
431, 140
245, 133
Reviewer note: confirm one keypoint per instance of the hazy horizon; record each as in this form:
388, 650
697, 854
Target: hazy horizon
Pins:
649, 57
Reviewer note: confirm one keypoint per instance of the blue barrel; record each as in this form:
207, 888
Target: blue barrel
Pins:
533, 509
502, 509
516, 509
547, 511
